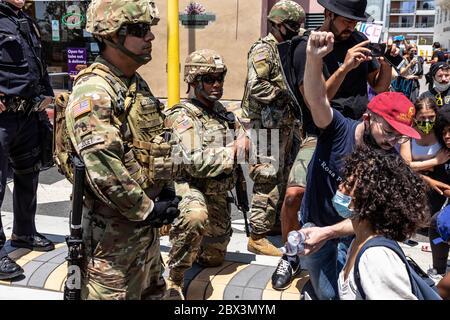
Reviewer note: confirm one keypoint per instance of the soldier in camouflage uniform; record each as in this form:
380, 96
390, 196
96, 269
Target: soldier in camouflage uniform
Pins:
207, 148
267, 104
116, 127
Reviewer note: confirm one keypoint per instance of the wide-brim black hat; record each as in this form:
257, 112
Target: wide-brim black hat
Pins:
351, 9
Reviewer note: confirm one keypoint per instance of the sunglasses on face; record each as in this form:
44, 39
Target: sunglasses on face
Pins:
209, 79
139, 30
392, 135
294, 26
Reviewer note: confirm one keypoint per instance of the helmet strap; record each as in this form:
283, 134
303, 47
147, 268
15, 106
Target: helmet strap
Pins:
200, 91
140, 59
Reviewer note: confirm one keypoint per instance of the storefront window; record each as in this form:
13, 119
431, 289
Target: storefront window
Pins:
62, 25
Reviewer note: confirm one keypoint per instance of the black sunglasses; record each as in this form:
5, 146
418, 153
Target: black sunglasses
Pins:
209, 79
293, 25
139, 30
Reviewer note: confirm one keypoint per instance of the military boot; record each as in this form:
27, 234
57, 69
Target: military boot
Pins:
174, 290
259, 244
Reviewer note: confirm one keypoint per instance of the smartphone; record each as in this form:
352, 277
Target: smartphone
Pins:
377, 49
397, 62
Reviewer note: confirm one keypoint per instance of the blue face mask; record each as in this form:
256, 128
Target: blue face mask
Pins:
341, 203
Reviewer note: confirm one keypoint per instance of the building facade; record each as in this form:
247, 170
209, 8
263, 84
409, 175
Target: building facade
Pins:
413, 19
442, 26
229, 27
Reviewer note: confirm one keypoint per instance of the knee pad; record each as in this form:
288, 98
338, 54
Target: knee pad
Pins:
210, 257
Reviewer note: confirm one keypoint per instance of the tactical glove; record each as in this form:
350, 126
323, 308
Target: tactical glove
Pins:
164, 212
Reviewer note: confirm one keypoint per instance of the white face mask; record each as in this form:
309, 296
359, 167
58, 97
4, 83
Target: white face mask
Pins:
441, 87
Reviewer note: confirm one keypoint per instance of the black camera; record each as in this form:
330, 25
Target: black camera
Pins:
377, 49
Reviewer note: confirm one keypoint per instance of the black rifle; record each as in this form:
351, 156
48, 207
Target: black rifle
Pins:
72, 288
241, 196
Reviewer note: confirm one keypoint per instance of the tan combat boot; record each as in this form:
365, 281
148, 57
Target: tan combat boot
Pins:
174, 290
174, 286
259, 244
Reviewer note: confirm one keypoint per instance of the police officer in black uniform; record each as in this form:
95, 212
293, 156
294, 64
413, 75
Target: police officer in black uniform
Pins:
25, 92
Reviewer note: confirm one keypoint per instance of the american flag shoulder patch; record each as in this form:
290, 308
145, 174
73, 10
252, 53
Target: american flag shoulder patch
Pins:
183, 125
81, 108
260, 56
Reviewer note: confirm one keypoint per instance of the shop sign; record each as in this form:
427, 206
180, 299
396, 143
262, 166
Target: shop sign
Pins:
55, 30
371, 31
73, 18
76, 60
196, 17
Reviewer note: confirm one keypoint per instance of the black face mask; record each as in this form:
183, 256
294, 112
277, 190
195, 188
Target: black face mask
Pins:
289, 34
368, 138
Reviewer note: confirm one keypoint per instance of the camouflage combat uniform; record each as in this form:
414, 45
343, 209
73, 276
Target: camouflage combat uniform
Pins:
205, 146
114, 122
267, 104
203, 228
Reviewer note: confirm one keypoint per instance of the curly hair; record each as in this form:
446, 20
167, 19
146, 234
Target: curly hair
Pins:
387, 193
442, 121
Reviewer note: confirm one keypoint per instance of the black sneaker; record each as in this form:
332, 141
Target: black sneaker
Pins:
9, 269
2, 238
285, 273
36, 242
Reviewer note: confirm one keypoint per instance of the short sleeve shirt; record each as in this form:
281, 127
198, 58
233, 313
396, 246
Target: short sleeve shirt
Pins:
324, 171
351, 99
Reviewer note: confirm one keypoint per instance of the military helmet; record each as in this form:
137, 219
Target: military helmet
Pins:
202, 62
286, 11
105, 17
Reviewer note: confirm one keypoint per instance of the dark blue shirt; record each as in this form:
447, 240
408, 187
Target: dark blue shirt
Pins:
22, 68
324, 171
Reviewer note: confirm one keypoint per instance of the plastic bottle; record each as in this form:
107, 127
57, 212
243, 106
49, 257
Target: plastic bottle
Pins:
295, 241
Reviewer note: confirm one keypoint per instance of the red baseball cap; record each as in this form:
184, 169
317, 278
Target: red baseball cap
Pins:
397, 110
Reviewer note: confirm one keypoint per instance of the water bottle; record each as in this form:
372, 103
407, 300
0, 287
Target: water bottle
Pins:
295, 241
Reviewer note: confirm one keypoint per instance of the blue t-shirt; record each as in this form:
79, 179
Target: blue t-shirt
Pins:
324, 171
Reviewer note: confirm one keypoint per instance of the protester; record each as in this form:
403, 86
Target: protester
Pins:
439, 234
348, 70
439, 180
411, 73
438, 53
25, 92
388, 122
383, 198
425, 153
438, 79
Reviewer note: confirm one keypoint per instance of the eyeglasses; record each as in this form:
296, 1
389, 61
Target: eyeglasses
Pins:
139, 30
392, 136
210, 79
439, 101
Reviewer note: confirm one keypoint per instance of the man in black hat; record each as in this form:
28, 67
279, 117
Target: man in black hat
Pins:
439, 84
350, 61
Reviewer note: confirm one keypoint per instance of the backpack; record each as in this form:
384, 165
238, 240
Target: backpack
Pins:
286, 52
63, 149
403, 85
422, 286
